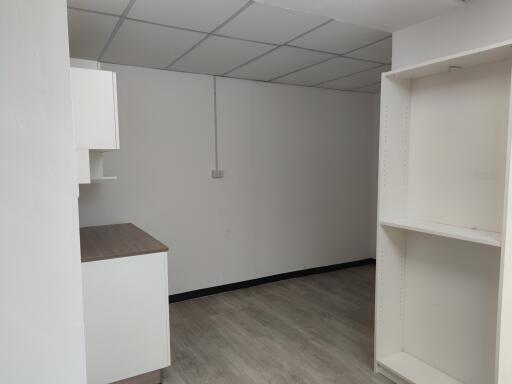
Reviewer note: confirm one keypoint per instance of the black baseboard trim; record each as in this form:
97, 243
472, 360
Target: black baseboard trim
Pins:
264, 280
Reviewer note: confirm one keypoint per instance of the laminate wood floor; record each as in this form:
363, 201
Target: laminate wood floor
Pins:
316, 329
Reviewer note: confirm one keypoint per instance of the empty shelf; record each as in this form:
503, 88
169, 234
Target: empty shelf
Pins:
451, 231
414, 370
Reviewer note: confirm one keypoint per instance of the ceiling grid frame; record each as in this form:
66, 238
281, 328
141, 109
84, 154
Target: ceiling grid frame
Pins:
258, 81
124, 16
233, 16
116, 28
343, 55
368, 45
277, 46
365, 86
303, 68
352, 74
248, 40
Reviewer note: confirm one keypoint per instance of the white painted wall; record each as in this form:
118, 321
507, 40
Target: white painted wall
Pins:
297, 186
479, 23
41, 321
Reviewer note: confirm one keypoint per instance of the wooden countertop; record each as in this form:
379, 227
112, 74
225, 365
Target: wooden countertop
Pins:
117, 240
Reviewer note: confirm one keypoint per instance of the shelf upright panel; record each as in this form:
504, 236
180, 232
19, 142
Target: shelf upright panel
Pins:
503, 373
391, 244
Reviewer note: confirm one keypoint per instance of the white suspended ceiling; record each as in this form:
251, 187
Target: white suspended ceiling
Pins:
386, 15
233, 38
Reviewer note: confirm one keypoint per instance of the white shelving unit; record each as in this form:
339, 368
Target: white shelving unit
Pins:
444, 266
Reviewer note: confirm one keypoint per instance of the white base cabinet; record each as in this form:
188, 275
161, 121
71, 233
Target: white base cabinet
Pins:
126, 317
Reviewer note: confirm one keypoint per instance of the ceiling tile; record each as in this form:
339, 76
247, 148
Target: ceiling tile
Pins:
380, 52
374, 88
149, 45
269, 24
115, 7
201, 15
386, 15
279, 62
326, 71
88, 33
358, 80
217, 55
338, 37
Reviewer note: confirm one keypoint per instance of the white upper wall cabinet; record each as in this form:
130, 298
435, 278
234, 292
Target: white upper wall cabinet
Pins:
83, 165
95, 119
444, 261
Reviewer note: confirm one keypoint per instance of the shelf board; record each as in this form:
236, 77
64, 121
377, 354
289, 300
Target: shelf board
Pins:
414, 371
103, 178
471, 58
451, 231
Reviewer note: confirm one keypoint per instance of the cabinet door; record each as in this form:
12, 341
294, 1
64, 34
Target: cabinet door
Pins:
94, 98
126, 312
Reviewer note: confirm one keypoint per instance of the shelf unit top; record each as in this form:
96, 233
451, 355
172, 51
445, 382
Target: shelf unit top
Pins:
414, 370
450, 231
471, 58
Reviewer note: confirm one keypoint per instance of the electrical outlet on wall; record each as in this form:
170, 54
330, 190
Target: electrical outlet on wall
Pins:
217, 174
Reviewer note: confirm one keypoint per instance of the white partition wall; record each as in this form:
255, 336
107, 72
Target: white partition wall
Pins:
443, 265
41, 318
